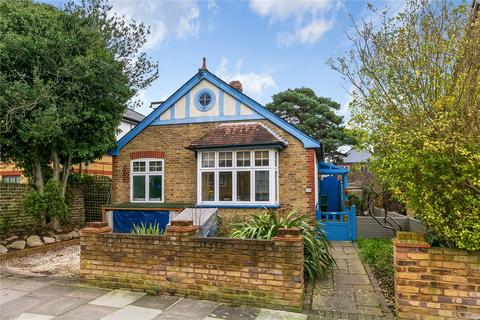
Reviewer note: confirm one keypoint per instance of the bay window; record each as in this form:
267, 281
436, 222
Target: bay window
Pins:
238, 177
146, 180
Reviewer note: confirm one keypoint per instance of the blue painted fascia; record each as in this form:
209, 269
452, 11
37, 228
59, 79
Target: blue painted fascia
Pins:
308, 142
156, 113
329, 168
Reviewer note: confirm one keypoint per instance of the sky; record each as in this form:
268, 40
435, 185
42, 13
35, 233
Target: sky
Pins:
270, 46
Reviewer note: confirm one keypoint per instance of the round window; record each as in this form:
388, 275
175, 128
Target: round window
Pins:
204, 99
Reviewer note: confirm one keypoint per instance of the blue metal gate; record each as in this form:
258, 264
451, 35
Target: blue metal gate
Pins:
339, 226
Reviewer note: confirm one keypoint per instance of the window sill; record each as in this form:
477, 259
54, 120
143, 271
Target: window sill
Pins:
250, 206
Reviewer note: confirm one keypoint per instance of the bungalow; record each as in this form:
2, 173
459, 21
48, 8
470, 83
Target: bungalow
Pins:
210, 145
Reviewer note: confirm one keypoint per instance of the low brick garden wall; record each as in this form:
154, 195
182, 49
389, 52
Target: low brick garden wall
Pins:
267, 273
435, 283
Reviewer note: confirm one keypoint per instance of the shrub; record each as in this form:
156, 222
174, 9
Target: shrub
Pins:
378, 254
420, 115
47, 205
152, 229
358, 201
264, 225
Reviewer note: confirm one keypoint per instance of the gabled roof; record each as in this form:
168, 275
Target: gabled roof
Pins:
132, 116
238, 134
354, 156
308, 142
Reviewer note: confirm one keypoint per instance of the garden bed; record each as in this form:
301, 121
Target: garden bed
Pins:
378, 255
25, 240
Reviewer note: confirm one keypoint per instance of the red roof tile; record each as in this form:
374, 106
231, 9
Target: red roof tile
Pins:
238, 134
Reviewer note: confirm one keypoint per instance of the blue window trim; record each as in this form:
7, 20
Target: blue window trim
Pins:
252, 206
308, 142
201, 107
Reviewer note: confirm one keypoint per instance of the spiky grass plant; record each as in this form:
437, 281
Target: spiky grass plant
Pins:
318, 258
151, 229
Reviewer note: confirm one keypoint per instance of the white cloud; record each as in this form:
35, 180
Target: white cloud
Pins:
308, 34
189, 24
253, 83
180, 19
213, 6
281, 10
310, 20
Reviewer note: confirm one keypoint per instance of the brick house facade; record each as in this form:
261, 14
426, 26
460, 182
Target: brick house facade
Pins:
230, 176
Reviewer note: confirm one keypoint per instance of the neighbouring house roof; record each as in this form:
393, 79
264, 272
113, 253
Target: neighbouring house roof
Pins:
203, 74
133, 116
238, 134
354, 156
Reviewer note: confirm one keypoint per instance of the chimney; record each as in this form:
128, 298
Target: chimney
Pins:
236, 85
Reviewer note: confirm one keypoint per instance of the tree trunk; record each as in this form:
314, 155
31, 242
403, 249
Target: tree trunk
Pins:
56, 166
66, 173
38, 174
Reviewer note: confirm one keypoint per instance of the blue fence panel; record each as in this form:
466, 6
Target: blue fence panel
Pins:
123, 220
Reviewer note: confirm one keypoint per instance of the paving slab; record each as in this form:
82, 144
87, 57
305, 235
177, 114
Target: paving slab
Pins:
33, 316
6, 283
30, 286
229, 312
17, 306
51, 291
133, 313
160, 302
266, 314
58, 306
118, 298
351, 279
191, 309
87, 312
169, 317
375, 310
7, 295
87, 293
368, 299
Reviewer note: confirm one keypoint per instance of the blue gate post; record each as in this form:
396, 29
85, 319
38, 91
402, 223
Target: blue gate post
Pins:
353, 222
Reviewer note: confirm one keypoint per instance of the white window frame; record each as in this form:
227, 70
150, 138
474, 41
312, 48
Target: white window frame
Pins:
147, 175
272, 168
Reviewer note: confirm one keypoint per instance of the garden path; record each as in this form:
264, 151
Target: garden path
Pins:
347, 292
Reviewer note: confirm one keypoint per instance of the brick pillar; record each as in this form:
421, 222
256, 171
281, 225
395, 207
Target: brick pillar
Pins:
410, 258
88, 239
181, 228
289, 252
95, 227
311, 182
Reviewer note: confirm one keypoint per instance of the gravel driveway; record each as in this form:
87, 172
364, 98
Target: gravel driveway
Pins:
63, 262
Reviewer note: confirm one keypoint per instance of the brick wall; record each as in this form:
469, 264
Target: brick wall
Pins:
254, 272
435, 283
76, 205
13, 218
11, 215
296, 168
